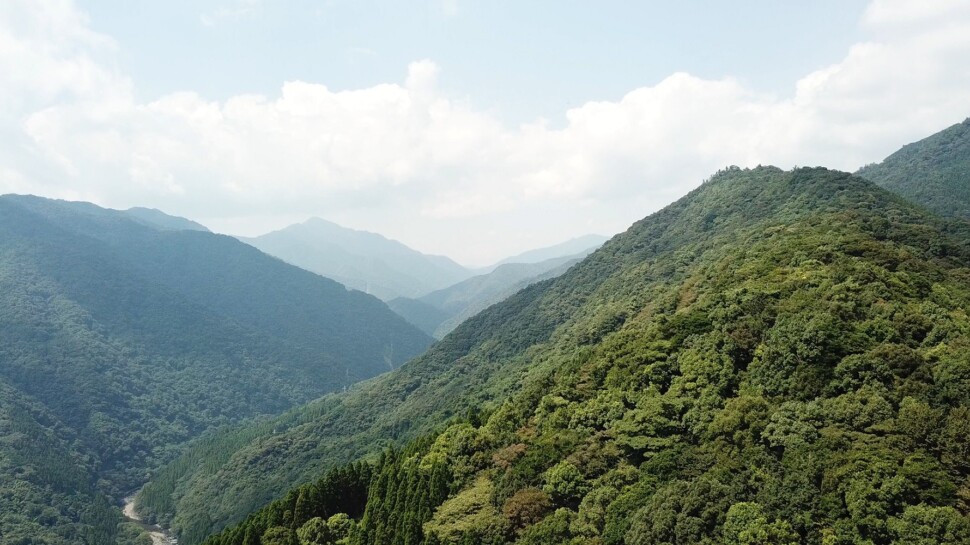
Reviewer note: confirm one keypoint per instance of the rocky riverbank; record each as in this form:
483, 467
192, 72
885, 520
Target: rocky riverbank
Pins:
158, 534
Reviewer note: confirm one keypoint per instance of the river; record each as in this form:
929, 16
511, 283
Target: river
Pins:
159, 535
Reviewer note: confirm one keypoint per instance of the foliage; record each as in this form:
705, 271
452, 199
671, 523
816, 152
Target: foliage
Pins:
932, 172
792, 369
526, 507
386, 502
132, 340
48, 490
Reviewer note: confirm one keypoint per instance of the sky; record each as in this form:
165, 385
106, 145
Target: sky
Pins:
475, 130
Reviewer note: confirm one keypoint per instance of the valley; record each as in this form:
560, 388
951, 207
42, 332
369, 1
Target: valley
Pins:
157, 534
484, 273
568, 393
125, 339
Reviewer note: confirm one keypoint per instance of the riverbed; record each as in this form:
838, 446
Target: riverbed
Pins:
159, 535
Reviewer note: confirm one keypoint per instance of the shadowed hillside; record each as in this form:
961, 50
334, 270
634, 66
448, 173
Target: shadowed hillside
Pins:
131, 340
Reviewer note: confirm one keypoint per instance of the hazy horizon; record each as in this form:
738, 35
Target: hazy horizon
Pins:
460, 129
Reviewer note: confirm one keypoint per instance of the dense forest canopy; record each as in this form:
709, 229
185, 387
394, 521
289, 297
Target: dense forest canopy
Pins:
932, 172
779, 357
381, 313
124, 338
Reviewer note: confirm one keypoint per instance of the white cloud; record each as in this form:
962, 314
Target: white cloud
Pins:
48, 53
408, 161
449, 8
233, 11
895, 14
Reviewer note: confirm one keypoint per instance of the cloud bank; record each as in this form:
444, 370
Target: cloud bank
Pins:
407, 160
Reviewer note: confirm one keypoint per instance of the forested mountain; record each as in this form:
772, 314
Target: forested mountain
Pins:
371, 263
427, 318
441, 311
122, 340
47, 486
360, 260
778, 357
934, 172
161, 220
573, 247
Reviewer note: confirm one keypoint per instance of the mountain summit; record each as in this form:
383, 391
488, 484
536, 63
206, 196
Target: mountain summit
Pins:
777, 354
360, 260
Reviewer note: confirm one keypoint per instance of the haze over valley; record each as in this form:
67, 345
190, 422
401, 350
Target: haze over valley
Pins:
450, 273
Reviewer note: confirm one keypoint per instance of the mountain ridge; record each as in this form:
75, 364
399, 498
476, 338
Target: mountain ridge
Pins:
571, 247
134, 339
932, 172
719, 353
361, 260
157, 218
441, 311
483, 360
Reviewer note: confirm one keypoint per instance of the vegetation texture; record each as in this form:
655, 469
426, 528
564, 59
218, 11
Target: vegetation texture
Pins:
933, 172
123, 339
777, 358
440, 312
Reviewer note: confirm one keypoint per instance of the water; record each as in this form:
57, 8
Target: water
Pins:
159, 535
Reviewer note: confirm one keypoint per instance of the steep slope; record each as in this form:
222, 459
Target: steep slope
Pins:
161, 220
580, 245
360, 260
457, 303
759, 356
441, 311
137, 339
934, 172
47, 487
425, 317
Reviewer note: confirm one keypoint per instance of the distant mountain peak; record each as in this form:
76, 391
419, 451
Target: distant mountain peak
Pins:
360, 260
317, 222
573, 246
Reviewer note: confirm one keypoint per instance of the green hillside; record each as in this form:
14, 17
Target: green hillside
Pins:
778, 357
360, 260
129, 341
422, 315
47, 487
580, 245
441, 311
934, 172
160, 220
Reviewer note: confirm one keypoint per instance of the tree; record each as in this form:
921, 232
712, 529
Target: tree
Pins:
746, 524
565, 484
924, 525
279, 535
527, 506
340, 526
315, 532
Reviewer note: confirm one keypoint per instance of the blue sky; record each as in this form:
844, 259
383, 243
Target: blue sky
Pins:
523, 60
475, 130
